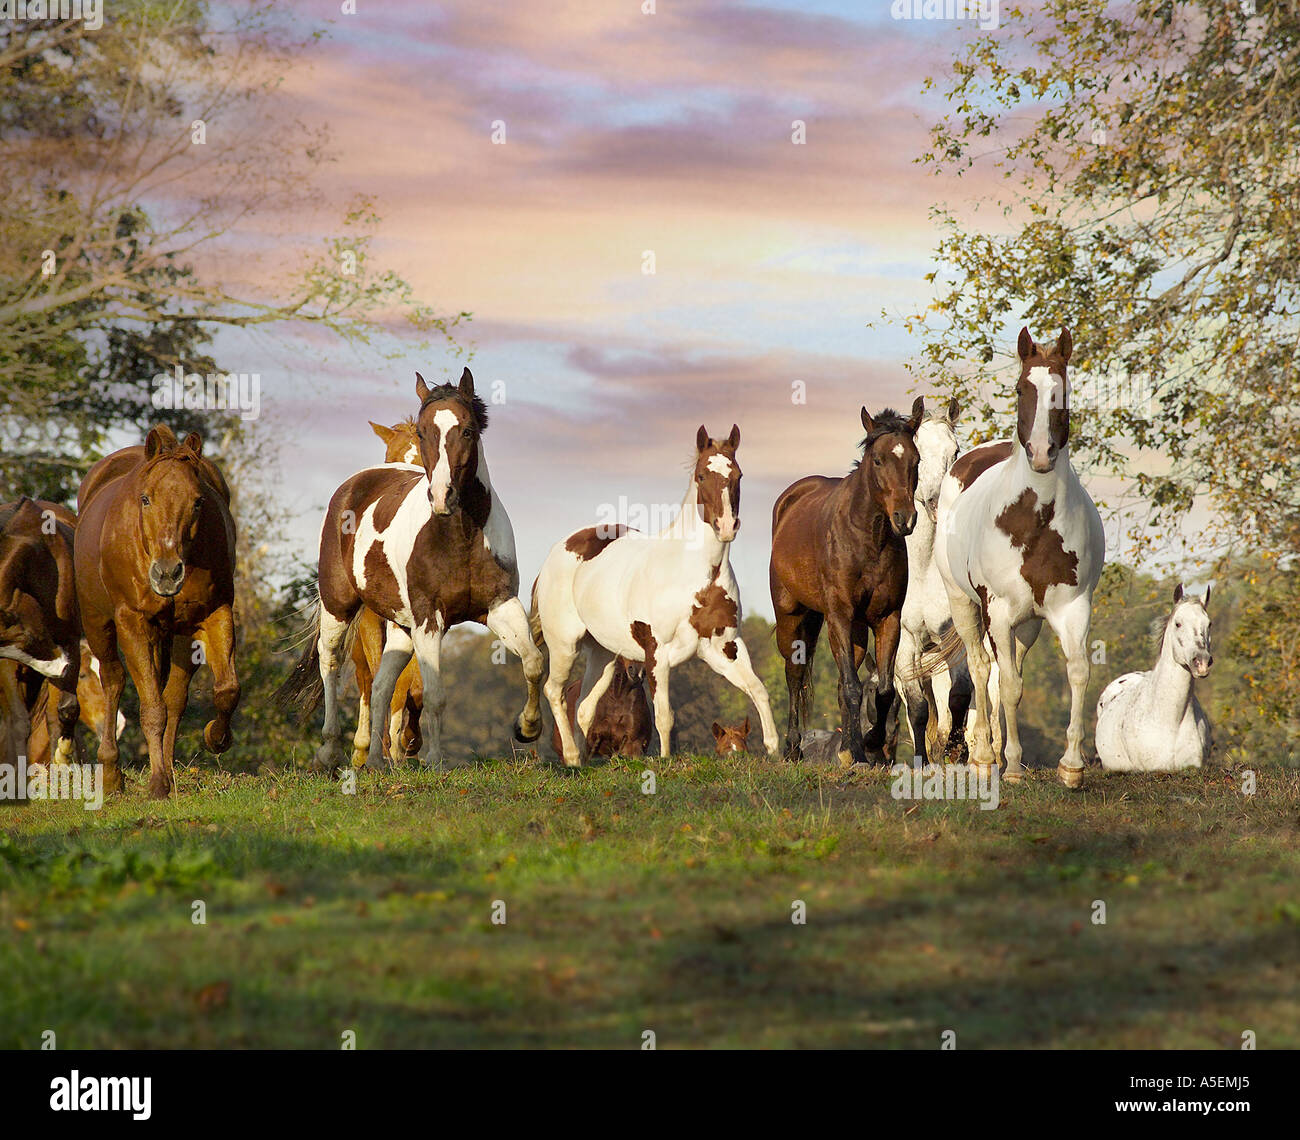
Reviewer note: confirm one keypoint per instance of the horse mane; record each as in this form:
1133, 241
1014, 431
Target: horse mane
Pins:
888, 422
476, 406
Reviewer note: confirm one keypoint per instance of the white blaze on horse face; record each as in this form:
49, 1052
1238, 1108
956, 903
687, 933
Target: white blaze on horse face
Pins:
1051, 394
412, 454
445, 421
720, 464
898, 450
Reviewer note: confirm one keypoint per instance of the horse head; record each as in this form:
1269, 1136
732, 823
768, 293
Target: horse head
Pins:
1043, 400
891, 463
936, 443
717, 482
170, 502
400, 442
728, 738
1189, 631
448, 428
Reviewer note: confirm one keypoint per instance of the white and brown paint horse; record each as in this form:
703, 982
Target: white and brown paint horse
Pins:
662, 599
426, 547
1152, 721
1020, 542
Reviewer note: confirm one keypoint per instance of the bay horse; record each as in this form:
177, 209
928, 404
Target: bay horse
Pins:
1152, 721
839, 558
657, 598
426, 547
155, 561
621, 726
40, 626
402, 733
1020, 542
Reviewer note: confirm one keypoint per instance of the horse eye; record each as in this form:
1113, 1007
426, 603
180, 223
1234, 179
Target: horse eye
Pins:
468, 433
1178, 625
144, 500
876, 460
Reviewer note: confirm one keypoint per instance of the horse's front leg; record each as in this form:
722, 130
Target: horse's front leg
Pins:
184, 662
839, 629
148, 659
1010, 686
509, 621
218, 638
729, 658
398, 647
1072, 627
886, 631
329, 642
966, 619
102, 640
428, 652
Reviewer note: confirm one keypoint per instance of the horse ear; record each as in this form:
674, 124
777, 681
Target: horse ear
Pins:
954, 410
1178, 593
717, 731
1205, 601
744, 728
384, 433
153, 442
421, 388
866, 420
701, 438
467, 384
918, 412
1064, 345
733, 440
194, 442
1025, 345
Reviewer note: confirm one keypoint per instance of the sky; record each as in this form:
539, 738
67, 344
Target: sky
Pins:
626, 135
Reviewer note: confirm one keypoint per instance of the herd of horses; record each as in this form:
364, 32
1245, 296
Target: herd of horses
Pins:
935, 568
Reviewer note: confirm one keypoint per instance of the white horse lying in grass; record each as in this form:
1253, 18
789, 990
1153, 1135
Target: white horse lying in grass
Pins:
1152, 722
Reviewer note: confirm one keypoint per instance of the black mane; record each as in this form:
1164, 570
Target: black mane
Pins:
477, 408
887, 423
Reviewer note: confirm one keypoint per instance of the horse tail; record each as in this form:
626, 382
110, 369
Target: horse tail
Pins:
950, 649
535, 619
304, 691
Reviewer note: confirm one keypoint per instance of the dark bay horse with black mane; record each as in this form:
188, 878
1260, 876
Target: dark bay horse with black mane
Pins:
155, 561
425, 547
839, 557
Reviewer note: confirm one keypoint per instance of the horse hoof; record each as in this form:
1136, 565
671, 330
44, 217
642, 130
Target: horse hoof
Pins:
159, 789
327, 761
1013, 777
113, 783
527, 735
63, 752
213, 743
1070, 777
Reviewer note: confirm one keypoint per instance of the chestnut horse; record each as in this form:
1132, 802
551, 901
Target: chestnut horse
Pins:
729, 738
402, 734
839, 556
621, 726
426, 547
155, 559
39, 623
1020, 541
659, 598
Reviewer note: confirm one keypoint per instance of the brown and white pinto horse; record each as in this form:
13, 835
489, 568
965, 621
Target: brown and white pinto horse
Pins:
659, 598
1020, 541
39, 624
155, 560
402, 735
839, 557
426, 547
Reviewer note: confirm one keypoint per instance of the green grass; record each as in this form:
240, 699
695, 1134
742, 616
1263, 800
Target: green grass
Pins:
670, 912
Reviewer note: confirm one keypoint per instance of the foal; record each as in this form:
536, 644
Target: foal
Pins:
1020, 541
839, 557
1152, 721
661, 598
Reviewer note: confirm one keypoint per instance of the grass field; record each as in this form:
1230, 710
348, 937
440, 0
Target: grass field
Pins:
670, 912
